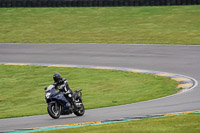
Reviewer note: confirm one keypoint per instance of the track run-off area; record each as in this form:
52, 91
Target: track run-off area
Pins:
164, 60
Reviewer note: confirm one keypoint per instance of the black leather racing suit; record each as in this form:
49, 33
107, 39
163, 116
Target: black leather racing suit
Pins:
63, 86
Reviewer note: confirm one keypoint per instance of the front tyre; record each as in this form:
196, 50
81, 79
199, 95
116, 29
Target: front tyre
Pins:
54, 110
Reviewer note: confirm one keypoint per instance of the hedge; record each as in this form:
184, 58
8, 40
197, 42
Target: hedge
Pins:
93, 3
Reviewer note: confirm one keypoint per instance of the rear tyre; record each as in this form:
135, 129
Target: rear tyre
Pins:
80, 109
54, 110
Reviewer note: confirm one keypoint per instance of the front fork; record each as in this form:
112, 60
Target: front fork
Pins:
55, 103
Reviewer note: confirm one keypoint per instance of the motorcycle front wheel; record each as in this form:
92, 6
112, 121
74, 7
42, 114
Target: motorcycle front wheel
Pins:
54, 110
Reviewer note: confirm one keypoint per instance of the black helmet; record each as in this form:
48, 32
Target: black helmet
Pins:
57, 77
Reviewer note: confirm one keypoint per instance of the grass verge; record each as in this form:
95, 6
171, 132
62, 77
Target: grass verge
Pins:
141, 25
22, 94
188, 123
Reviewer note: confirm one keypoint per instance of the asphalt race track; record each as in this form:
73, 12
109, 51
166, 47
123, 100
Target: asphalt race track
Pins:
182, 59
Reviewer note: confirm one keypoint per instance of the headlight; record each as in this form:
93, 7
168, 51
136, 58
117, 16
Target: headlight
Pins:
48, 94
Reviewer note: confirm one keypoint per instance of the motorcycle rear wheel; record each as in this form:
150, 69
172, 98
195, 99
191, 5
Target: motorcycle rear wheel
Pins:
81, 110
54, 111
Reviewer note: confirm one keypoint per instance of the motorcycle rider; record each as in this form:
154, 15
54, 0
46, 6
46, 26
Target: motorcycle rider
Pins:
61, 84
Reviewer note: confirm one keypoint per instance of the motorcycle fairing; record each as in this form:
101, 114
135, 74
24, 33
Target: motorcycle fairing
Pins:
60, 98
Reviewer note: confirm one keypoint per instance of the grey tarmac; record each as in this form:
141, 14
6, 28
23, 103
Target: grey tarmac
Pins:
180, 59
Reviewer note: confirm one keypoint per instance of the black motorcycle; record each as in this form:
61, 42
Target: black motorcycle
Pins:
58, 104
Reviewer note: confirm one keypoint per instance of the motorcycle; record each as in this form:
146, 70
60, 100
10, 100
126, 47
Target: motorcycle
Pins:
58, 104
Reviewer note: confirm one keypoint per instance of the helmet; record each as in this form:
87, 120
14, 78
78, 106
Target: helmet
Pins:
57, 77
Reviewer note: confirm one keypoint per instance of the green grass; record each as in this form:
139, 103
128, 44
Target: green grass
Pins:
174, 124
141, 25
22, 94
